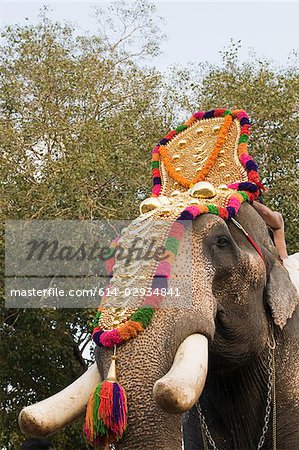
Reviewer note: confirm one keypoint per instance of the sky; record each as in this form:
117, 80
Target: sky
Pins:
196, 31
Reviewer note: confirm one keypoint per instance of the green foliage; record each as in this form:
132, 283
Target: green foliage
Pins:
78, 119
81, 118
40, 355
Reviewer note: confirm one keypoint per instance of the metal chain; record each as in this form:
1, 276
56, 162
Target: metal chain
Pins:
274, 405
271, 399
204, 440
205, 431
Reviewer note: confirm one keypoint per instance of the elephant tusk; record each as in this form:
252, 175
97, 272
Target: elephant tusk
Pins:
54, 413
182, 386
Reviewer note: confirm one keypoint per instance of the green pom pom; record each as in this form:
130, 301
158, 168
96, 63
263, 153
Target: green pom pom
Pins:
172, 244
96, 319
181, 127
227, 112
213, 209
109, 253
155, 164
144, 316
244, 195
243, 138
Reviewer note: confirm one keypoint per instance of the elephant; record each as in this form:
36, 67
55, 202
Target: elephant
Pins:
201, 375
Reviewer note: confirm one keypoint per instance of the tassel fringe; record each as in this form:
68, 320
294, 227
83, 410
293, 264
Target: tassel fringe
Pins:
106, 414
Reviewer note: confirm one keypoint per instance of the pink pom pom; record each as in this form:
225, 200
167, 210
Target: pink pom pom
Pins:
199, 115
163, 269
193, 210
156, 149
156, 189
244, 158
242, 114
233, 186
245, 131
110, 338
109, 264
177, 230
235, 203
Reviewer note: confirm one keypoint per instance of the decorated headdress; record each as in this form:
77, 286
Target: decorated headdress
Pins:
200, 167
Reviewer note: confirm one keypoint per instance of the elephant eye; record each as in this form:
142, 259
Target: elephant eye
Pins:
222, 241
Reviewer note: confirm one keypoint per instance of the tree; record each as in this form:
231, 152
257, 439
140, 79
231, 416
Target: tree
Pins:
78, 118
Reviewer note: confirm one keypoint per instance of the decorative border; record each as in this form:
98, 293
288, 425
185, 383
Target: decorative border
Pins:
245, 191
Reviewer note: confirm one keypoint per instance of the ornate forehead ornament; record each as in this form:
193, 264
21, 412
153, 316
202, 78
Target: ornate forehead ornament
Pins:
200, 167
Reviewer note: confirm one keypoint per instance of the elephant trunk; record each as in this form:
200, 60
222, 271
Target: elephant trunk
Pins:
163, 373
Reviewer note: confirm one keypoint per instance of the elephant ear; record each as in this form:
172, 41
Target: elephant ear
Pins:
282, 295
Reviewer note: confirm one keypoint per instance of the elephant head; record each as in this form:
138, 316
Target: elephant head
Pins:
215, 349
